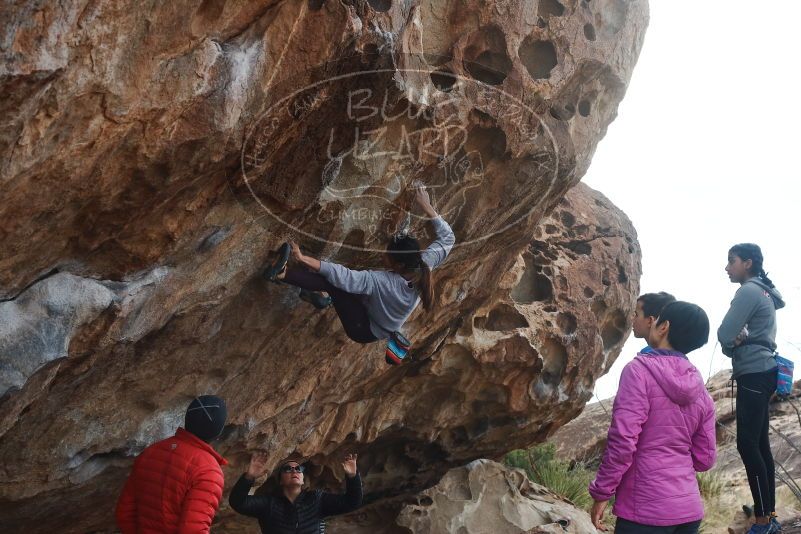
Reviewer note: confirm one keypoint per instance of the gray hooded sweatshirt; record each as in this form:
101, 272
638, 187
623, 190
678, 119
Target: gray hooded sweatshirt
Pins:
754, 306
390, 299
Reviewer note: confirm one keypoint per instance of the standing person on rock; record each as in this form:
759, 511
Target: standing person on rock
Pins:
373, 304
662, 432
649, 306
294, 510
747, 335
176, 484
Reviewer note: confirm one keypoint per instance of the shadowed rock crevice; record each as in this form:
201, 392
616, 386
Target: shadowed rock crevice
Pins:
548, 8
502, 318
614, 329
534, 286
485, 56
539, 57
380, 5
567, 323
443, 80
554, 354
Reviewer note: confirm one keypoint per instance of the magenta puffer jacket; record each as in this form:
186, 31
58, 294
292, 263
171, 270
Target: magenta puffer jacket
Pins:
662, 432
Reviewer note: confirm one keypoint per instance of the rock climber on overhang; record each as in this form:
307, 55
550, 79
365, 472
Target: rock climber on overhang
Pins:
373, 304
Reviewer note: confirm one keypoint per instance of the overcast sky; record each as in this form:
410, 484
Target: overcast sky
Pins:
704, 154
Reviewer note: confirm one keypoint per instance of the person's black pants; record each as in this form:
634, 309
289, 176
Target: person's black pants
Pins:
349, 307
624, 526
753, 394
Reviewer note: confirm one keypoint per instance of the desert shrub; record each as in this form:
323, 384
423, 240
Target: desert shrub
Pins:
569, 481
710, 483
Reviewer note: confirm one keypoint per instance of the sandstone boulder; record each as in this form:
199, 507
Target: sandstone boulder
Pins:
152, 158
482, 497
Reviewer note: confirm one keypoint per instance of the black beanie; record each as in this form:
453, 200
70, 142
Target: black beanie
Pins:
206, 416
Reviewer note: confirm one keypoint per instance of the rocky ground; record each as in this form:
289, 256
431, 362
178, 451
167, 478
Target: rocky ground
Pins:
481, 497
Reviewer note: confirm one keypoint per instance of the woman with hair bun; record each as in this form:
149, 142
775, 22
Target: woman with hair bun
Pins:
747, 335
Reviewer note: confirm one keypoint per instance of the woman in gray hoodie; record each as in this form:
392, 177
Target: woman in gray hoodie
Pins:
748, 336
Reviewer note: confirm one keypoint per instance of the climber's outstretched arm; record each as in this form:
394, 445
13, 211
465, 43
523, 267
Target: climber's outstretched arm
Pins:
439, 249
308, 261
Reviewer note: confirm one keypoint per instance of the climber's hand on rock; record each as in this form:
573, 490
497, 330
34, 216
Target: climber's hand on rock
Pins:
308, 261
296, 253
421, 196
597, 513
349, 465
258, 466
423, 199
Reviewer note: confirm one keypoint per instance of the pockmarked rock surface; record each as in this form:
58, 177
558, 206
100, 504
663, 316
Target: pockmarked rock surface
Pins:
481, 497
153, 156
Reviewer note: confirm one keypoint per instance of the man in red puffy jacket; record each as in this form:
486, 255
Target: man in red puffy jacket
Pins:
176, 484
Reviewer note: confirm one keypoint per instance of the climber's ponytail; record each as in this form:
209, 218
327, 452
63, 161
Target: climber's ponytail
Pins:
426, 286
404, 251
764, 277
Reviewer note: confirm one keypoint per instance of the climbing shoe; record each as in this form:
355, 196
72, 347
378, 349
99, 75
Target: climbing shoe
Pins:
397, 348
774, 520
318, 300
271, 272
762, 529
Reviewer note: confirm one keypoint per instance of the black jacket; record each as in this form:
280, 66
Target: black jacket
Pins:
277, 515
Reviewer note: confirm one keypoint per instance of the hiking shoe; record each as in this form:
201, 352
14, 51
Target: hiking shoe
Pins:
271, 272
318, 300
762, 529
775, 522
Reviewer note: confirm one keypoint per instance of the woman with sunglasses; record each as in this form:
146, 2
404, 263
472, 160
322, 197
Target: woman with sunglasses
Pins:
294, 509
372, 304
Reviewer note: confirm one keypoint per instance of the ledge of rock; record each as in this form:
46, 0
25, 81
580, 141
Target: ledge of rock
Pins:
151, 159
481, 497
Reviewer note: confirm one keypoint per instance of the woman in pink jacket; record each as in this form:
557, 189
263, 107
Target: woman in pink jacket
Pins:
662, 432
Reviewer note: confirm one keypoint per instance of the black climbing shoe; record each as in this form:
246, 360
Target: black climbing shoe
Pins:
271, 272
315, 299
